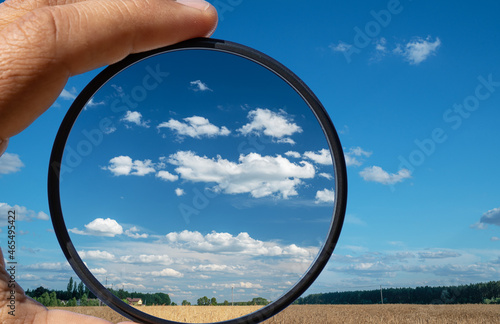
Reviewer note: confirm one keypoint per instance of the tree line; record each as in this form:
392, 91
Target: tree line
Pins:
487, 293
205, 301
78, 294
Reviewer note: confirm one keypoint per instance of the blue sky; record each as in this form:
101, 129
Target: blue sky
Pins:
413, 90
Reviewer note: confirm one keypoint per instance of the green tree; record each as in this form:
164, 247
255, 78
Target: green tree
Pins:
186, 303
53, 299
70, 285
213, 301
71, 302
84, 300
80, 290
204, 301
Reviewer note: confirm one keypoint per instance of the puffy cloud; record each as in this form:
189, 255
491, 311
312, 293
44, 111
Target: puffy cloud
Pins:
135, 117
167, 272
167, 176
196, 127
212, 268
377, 174
240, 244
258, 175
124, 165
491, 217
22, 213
277, 125
180, 192
418, 50
10, 163
100, 227
96, 255
98, 271
354, 153
198, 85
325, 196
323, 156
293, 154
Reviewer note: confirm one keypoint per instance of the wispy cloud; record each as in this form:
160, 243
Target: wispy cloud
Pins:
68, 94
418, 50
353, 155
22, 213
340, 47
198, 85
10, 163
322, 156
377, 174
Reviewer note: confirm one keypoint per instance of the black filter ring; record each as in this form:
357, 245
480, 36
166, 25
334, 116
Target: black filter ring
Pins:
227, 47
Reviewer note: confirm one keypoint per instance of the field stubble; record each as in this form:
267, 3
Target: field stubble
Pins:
320, 314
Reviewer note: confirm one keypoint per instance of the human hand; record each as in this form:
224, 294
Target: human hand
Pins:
44, 42
28, 311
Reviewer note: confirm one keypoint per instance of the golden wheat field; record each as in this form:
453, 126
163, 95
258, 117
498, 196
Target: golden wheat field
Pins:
319, 314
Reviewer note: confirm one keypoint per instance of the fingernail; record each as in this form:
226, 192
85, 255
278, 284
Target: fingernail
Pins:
198, 4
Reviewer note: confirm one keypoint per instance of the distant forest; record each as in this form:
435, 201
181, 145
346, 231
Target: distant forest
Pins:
479, 293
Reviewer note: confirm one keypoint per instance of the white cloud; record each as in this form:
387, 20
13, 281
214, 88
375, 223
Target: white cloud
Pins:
100, 227
195, 127
147, 258
380, 45
325, 196
10, 163
180, 192
167, 272
438, 254
199, 86
491, 217
133, 233
52, 266
277, 125
212, 268
167, 176
340, 47
22, 213
135, 117
323, 156
326, 175
418, 50
352, 155
68, 95
258, 175
123, 165
98, 271
240, 244
293, 154
96, 255
495, 238
377, 174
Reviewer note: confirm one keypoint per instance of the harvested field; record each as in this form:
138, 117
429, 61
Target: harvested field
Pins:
321, 314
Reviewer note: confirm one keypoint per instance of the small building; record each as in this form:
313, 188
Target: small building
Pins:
134, 301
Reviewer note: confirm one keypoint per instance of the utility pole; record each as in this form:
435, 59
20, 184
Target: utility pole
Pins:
381, 296
232, 299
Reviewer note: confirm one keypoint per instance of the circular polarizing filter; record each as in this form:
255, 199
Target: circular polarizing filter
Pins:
203, 173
